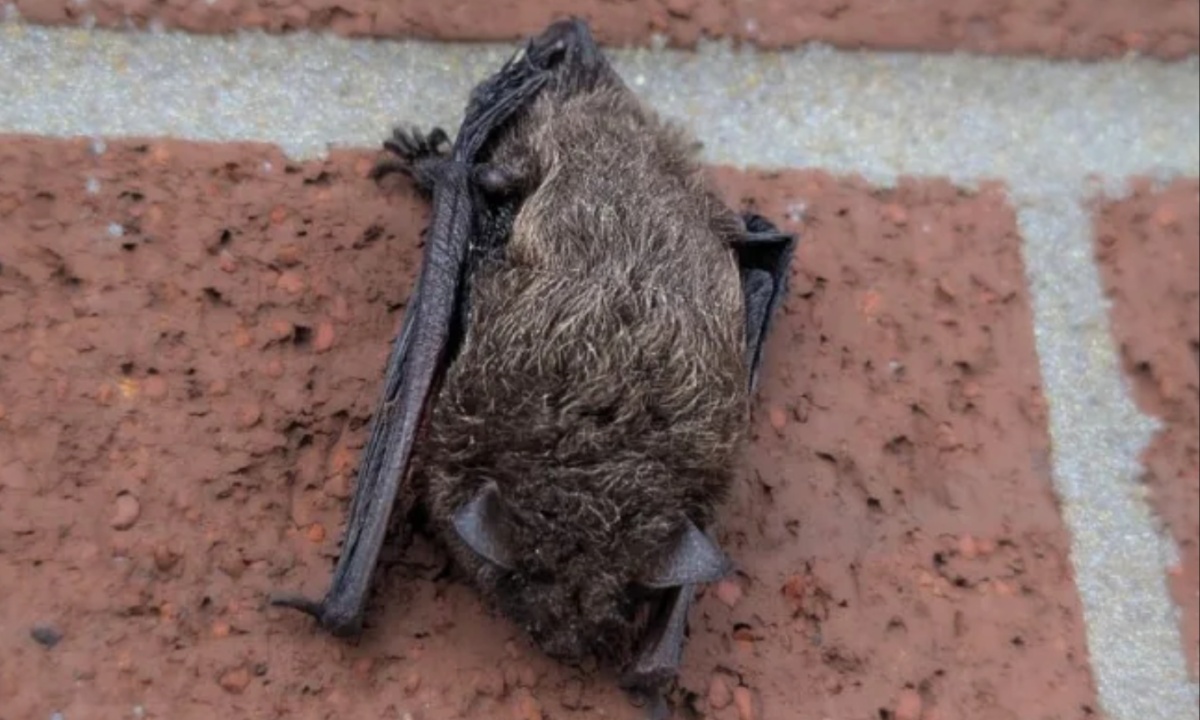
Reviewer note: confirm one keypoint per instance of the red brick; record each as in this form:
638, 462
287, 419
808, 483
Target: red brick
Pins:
903, 362
1082, 29
1149, 251
916, 427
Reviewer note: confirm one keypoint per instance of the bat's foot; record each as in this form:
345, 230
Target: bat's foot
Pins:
647, 683
657, 662
415, 154
413, 145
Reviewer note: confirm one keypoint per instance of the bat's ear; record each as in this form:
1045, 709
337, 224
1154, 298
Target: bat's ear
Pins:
692, 558
480, 523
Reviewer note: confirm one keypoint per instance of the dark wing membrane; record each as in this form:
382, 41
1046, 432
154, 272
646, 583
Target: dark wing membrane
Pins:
420, 353
764, 257
415, 364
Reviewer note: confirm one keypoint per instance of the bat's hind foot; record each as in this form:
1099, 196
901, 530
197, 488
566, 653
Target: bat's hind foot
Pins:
415, 154
413, 145
650, 695
654, 705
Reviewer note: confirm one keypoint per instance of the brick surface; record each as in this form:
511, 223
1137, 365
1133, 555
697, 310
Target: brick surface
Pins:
1053, 28
192, 337
1148, 246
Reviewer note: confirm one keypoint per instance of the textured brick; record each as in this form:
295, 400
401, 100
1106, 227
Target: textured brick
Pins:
1052, 28
894, 523
1148, 246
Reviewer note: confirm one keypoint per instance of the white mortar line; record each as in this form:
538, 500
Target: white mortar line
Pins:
1043, 127
1119, 554
880, 114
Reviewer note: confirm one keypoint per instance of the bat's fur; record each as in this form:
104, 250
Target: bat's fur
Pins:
602, 382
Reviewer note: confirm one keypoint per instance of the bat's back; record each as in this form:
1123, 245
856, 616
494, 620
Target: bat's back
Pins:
602, 382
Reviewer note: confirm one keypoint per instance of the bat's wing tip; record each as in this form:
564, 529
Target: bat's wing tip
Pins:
339, 624
295, 601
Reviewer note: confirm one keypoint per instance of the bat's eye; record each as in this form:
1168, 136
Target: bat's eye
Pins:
627, 606
557, 52
635, 592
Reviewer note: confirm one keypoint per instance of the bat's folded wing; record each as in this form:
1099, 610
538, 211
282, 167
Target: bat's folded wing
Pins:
764, 257
421, 350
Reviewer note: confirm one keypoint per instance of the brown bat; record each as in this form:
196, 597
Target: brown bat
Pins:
579, 355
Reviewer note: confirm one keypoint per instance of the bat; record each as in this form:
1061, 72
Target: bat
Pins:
572, 377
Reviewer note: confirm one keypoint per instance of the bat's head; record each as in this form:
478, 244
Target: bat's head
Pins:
567, 50
575, 572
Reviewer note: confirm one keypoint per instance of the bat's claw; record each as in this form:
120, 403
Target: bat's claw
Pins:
648, 687
655, 703
649, 681
414, 145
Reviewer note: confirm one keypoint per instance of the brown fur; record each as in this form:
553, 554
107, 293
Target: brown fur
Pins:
602, 382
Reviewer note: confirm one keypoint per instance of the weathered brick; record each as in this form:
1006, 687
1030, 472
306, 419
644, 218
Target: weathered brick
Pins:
1148, 246
1080, 29
894, 523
